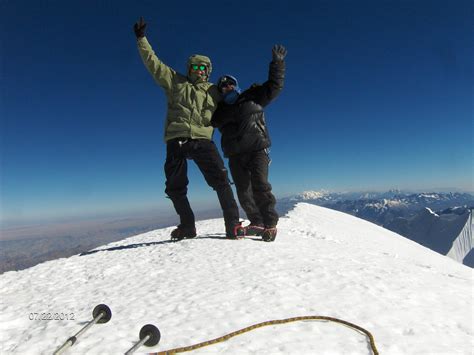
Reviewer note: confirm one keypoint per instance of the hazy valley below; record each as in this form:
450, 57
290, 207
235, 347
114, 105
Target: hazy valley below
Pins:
405, 214
23, 247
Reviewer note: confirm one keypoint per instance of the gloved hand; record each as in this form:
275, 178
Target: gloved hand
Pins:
278, 52
139, 28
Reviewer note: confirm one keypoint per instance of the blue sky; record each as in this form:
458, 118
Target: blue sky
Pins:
378, 95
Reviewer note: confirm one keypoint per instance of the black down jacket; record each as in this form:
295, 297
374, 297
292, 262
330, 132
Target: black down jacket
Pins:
242, 124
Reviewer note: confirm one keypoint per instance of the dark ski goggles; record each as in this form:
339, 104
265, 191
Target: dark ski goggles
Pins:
226, 81
198, 67
226, 84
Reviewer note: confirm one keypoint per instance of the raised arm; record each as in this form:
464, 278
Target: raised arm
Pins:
269, 90
163, 74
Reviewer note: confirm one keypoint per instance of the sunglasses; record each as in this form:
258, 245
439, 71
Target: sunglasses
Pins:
227, 83
198, 67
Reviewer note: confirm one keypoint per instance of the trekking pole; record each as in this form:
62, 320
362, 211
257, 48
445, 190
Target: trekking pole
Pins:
101, 314
149, 336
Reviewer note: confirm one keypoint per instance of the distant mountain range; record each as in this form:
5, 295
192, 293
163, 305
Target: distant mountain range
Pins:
431, 219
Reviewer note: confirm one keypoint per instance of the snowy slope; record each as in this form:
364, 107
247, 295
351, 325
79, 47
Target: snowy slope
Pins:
324, 262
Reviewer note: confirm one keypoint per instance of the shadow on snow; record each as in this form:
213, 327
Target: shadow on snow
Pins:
218, 236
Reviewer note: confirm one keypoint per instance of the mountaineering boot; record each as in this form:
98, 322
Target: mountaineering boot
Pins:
269, 234
182, 232
254, 229
235, 232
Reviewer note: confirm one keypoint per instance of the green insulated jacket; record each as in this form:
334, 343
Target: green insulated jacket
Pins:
191, 103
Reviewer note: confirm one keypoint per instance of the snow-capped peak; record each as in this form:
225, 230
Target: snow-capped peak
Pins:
311, 195
385, 203
432, 196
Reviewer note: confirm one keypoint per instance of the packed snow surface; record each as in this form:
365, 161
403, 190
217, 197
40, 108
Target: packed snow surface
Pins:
323, 262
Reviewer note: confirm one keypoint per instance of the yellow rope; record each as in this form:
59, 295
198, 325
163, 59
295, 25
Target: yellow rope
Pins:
263, 324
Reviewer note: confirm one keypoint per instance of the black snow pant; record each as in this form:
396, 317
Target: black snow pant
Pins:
207, 158
250, 174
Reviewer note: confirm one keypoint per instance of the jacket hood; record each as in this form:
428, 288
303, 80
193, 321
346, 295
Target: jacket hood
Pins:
199, 59
231, 78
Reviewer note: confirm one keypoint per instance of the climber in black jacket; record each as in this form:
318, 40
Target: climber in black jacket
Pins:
245, 141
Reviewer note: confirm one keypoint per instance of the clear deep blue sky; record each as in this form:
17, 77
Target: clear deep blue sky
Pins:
378, 95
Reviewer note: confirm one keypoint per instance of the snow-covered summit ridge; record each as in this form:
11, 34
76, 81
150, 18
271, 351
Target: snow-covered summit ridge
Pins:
430, 211
323, 262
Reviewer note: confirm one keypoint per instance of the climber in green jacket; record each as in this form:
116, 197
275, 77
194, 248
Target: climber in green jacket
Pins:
192, 100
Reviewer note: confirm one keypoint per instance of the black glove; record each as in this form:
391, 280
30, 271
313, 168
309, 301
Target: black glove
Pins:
279, 53
139, 28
